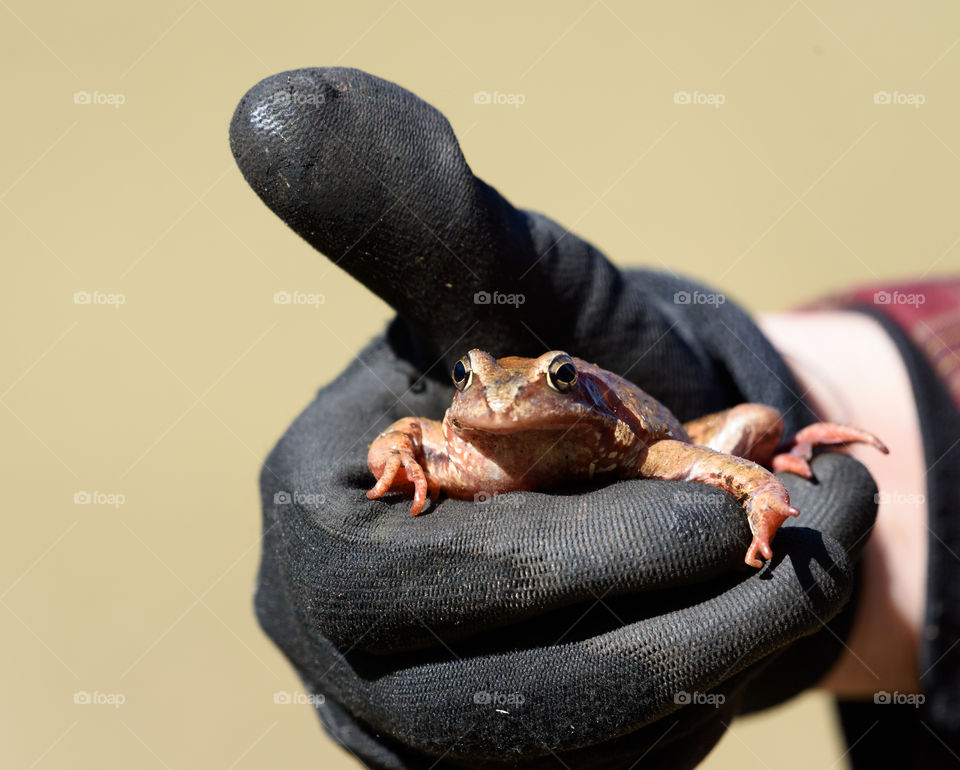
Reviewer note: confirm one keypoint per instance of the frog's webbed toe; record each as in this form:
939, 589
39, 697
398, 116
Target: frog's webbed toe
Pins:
391, 477
767, 508
795, 454
394, 458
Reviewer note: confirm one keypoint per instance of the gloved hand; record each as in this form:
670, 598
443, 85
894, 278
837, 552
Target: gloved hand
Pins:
595, 627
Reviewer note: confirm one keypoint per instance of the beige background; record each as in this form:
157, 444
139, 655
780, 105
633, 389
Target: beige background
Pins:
798, 184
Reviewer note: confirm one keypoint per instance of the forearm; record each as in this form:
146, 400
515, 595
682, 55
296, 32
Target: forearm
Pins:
850, 371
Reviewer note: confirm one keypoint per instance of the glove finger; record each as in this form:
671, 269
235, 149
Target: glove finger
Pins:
678, 742
604, 678
374, 178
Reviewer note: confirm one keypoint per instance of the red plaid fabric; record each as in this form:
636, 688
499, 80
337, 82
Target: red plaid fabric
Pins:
928, 311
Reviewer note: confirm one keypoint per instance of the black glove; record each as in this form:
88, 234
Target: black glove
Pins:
595, 627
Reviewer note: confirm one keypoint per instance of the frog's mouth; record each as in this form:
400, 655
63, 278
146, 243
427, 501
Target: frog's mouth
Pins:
504, 426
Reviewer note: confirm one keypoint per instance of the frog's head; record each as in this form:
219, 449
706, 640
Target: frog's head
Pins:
513, 394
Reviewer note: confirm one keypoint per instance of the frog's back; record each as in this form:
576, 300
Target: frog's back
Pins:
647, 418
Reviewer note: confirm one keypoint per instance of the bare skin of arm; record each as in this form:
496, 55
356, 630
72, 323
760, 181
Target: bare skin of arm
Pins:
837, 358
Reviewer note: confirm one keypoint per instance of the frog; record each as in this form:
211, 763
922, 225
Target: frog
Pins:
524, 424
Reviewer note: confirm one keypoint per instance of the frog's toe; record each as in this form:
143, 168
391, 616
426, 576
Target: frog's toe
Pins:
386, 478
832, 434
794, 463
419, 503
416, 475
766, 515
758, 545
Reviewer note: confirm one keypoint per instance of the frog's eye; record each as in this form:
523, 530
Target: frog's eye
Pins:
462, 374
562, 374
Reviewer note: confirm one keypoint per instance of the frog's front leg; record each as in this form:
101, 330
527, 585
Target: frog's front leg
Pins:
762, 495
400, 459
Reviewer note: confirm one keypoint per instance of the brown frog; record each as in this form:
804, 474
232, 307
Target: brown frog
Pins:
539, 423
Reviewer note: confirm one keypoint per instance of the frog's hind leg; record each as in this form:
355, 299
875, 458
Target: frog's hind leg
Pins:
794, 454
762, 495
752, 431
